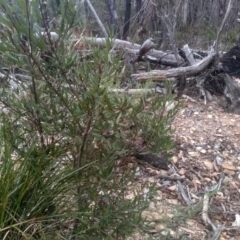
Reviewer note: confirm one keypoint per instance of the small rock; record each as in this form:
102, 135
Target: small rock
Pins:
203, 151
160, 226
198, 149
209, 116
165, 232
229, 166
173, 188
175, 159
208, 165
219, 160
193, 129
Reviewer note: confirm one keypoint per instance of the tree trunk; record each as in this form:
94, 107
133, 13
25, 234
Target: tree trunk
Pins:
185, 11
127, 19
97, 18
138, 10
111, 4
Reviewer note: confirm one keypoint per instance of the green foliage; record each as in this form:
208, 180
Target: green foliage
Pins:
63, 130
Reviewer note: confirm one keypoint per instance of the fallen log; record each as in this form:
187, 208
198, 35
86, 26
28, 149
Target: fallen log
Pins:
176, 72
161, 57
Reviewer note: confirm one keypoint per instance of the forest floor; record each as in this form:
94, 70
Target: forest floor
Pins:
208, 145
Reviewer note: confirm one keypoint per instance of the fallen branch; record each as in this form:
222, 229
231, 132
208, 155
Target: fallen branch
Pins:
153, 55
207, 221
176, 72
183, 194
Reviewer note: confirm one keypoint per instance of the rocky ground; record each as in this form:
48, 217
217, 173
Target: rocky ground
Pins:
207, 153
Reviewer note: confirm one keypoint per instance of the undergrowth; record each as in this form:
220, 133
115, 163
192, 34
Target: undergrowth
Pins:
63, 132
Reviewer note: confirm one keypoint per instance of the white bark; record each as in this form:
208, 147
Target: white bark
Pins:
188, 54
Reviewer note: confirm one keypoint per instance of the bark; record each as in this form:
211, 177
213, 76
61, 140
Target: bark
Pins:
127, 19
97, 18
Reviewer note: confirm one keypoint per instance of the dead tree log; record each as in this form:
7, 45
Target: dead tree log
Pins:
175, 72
161, 57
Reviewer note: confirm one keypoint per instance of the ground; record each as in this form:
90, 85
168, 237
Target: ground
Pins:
207, 146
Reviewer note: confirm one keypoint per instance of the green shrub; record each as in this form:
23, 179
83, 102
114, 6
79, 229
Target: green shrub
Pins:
63, 131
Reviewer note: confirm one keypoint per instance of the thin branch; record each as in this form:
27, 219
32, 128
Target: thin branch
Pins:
230, 4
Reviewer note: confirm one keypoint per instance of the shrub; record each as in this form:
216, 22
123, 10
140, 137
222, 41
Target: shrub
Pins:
63, 131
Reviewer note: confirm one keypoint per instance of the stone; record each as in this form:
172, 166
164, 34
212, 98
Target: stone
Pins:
160, 226
203, 151
198, 149
219, 160
173, 188
208, 165
175, 159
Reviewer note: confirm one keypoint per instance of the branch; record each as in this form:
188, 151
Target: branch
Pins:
222, 25
176, 72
